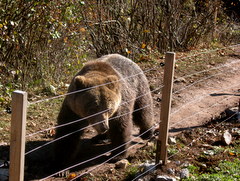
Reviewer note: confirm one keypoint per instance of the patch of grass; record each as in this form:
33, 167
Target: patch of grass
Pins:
226, 170
172, 151
193, 168
131, 172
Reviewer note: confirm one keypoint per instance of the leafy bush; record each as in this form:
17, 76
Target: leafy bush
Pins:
42, 40
132, 27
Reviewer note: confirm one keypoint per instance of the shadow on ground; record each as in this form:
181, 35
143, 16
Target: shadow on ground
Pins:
39, 164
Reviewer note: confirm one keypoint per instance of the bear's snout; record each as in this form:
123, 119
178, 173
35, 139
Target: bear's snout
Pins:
100, 123
103, 128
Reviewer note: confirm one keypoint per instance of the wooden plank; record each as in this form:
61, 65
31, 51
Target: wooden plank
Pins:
161, 154
18, 133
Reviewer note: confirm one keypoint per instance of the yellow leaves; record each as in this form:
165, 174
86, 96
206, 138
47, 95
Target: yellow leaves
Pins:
231, 153
143, 46
71, 176
65, 39
1, 26
128, 51
82, 30
146, 31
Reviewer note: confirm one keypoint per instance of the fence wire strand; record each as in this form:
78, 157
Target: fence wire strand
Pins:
208, 51
183, 120
199, 98
207, 70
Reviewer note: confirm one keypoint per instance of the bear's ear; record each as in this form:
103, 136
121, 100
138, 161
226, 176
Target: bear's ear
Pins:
80, 81
112, 82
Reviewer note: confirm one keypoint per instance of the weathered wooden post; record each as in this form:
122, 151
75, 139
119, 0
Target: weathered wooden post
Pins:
18, 132
161, 154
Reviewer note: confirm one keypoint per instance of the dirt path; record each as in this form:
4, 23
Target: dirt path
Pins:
197, 104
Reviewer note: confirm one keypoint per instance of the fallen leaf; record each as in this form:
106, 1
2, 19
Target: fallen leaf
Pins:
143, 45
82, 29
232, 154
71, 176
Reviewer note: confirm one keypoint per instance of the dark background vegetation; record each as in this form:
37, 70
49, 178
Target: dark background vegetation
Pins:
42, 42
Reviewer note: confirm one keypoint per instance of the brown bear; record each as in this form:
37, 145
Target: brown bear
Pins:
116, 92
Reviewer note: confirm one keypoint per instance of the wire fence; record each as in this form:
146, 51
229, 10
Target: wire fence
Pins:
179, 151
227, 65
90, 116
78, 164
179, 122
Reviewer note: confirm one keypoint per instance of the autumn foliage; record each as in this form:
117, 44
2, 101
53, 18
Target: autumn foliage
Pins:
40, 40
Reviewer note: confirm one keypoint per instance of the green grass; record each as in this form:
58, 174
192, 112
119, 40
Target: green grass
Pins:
226, 171
131, 172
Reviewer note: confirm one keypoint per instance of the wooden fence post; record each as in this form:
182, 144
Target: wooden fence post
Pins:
18, 132
161, 154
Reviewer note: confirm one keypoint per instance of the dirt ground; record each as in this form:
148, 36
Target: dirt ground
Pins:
197, 99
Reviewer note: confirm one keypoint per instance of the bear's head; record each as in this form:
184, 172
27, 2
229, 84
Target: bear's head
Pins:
99, 102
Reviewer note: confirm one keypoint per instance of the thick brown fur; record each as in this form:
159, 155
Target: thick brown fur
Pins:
125, 92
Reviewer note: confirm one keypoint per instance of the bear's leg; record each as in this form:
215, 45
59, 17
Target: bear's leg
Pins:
143, 115
120, 134
66, 148
67, 138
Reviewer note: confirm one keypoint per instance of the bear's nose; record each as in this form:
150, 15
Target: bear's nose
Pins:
103, 128
102, 123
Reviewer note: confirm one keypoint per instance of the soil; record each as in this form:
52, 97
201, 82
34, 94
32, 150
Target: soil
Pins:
197, 101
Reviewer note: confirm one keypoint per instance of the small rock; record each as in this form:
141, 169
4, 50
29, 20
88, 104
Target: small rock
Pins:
50, 89
164, 178
212, 132
172, 140
209, 152
177, 162
226, 138
147, 167
207, 146
171, 171
66, 85
234, 132
122, 164
181, 79
185, 164
231, 111
150, 144
184, 173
